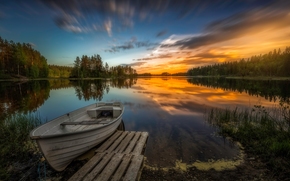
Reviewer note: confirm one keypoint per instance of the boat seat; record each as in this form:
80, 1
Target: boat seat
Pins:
95, 112
87, 122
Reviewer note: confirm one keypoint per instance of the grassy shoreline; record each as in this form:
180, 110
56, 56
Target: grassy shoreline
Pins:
266, 135
15, 144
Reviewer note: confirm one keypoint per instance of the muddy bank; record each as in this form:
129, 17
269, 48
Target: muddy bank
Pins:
250, 169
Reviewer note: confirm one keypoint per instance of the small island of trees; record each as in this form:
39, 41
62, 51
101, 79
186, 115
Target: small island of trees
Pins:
22, 61
93, 67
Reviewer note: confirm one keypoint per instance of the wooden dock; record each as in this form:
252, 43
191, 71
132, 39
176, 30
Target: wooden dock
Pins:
119, 158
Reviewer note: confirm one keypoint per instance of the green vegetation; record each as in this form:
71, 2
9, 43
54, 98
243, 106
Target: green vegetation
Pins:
18, 59
145, 74
22, 61
274, 63
93, 67
56, 71
266, 135
15, 144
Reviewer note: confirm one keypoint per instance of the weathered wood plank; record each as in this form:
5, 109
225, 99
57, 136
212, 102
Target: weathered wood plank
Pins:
122, 168
116, 159
109, 142
111, 167
124, 142
133, 170
117, 142
141, 143
132, 143
99, 167
81, 173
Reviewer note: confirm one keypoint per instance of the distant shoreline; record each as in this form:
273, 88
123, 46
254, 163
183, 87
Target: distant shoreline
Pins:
93, 78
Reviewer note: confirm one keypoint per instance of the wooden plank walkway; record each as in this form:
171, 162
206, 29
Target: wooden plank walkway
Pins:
120, 157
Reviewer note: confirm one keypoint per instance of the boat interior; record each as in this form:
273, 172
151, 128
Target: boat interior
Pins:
83, 119
94, 117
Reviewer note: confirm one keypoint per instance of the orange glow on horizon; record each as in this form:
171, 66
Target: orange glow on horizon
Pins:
235, 49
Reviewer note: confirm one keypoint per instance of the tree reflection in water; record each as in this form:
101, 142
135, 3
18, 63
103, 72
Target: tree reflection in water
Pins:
28, 96
271, 90
22, 97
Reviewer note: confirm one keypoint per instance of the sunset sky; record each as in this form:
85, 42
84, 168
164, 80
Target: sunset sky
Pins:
150, 35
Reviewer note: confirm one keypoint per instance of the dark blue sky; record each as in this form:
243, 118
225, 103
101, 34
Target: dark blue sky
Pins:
150, 35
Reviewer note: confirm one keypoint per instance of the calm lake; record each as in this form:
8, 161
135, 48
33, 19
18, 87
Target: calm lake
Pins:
171, 109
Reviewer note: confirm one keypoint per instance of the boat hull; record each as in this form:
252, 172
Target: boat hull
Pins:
60, 152
61, 149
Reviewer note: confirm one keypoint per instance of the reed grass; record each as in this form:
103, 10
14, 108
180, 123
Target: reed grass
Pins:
15, 144
264, 133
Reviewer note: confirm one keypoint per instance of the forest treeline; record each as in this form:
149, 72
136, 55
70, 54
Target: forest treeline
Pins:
21, 60
57, 71
93, 66
274, 63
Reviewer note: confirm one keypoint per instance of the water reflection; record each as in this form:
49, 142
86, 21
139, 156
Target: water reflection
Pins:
28, 96
175, 122
271, 90
171, 110
22, 96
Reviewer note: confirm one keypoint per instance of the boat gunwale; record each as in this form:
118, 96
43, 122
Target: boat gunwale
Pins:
36, 137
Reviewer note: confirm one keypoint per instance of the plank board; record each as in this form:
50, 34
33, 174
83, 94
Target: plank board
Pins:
124, 142
133, 143
80, 174
98, 167
117, 142
109, 142
133, 170
118, 158
122, 168
141, 143
111, 167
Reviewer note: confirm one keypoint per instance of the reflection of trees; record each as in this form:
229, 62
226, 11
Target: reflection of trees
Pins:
87, 89
25, 97
95, 89
269, 89
60, 83
22, 97
123, 83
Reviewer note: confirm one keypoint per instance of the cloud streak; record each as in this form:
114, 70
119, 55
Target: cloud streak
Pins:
123, 13
161, 33
135, 64
154, 57
238, 26
131, 44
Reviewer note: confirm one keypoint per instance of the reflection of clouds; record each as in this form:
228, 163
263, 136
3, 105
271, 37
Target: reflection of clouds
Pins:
138, 106
177, 96
137, 87
172, 111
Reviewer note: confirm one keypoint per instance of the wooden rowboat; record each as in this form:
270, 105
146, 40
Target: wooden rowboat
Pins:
67, 137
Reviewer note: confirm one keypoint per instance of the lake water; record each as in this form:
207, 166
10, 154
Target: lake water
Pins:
171, 109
